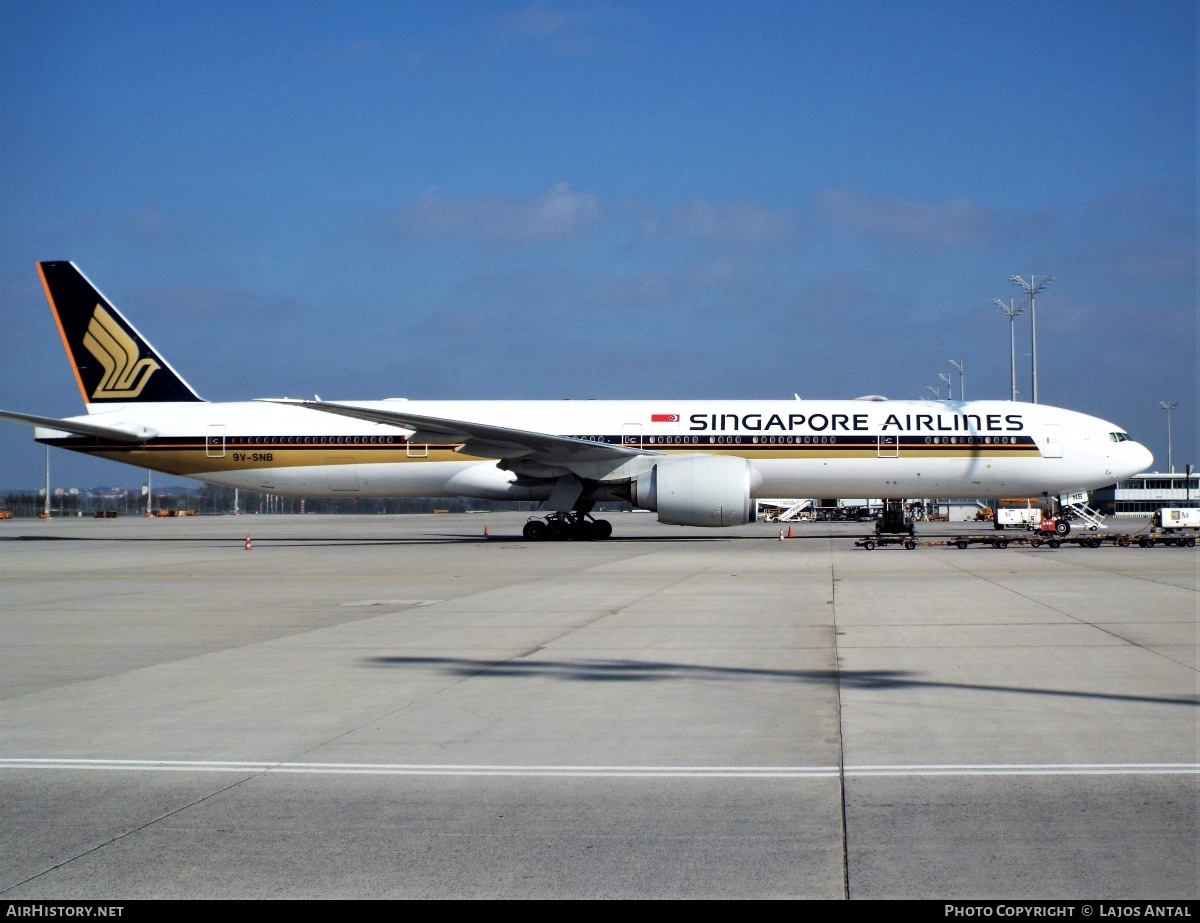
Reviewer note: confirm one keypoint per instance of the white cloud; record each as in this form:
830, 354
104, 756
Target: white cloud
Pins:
729, 222
560, 212
570, 29
148, 223
955, 223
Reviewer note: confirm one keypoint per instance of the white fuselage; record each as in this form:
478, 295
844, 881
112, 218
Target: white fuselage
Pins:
850, 448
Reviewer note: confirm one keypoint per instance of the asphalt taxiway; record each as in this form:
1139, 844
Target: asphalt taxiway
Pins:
399, 706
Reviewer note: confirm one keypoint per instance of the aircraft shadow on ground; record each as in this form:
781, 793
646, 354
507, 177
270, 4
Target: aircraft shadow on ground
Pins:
602, 671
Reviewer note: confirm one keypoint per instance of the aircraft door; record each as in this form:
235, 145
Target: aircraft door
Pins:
631, 435
888, 447
214, 442
1052, 444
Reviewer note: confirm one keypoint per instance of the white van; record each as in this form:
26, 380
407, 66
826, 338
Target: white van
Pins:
1171, 517
1026, 518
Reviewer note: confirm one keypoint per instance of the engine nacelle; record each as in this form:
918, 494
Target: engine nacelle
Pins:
704, 490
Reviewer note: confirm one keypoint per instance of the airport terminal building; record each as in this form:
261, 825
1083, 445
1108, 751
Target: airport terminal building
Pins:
1143, 494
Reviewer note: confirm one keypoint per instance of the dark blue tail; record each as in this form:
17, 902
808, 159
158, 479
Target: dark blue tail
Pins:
113, 362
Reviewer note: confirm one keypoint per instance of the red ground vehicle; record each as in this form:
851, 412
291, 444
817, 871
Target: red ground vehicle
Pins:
1052, 525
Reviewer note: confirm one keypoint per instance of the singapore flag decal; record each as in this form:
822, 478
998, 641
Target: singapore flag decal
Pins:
664, 418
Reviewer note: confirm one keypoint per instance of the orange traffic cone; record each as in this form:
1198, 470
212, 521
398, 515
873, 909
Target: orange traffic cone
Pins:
485, 532
789, 531
248, 546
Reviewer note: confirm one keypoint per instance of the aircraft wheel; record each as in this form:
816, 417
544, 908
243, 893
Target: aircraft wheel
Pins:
601, 528
1062, 527
583, 531
535, 530
556, 530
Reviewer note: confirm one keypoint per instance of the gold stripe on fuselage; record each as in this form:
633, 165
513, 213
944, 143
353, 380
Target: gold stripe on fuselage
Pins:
184, 458
194, 460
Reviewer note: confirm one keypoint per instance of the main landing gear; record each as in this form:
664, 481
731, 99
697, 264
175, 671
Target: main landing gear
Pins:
558, 527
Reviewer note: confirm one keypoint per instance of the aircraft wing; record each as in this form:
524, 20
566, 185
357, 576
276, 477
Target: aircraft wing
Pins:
77, 428
482, 439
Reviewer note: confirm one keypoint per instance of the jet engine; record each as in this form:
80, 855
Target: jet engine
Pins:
703, 490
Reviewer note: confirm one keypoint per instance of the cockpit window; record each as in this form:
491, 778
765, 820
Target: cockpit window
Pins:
1118, 437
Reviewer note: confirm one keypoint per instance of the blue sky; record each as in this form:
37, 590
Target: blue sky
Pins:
606, 200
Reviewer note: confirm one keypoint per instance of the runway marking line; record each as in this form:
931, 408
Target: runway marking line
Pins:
675, 772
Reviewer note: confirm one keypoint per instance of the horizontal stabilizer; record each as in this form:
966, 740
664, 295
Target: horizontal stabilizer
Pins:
78, 428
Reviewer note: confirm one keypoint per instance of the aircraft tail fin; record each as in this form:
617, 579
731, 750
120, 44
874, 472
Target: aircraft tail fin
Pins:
113, 363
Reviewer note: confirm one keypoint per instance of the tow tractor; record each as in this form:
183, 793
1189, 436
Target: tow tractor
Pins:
1053, 519
1051, 525
894, 526
894, 520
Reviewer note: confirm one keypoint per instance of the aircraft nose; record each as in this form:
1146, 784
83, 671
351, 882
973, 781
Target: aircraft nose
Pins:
1142, 457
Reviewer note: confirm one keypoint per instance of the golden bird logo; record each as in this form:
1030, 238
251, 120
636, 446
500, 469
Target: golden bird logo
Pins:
125, 375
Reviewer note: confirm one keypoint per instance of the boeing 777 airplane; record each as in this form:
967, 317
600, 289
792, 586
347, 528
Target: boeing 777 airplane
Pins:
694, 462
